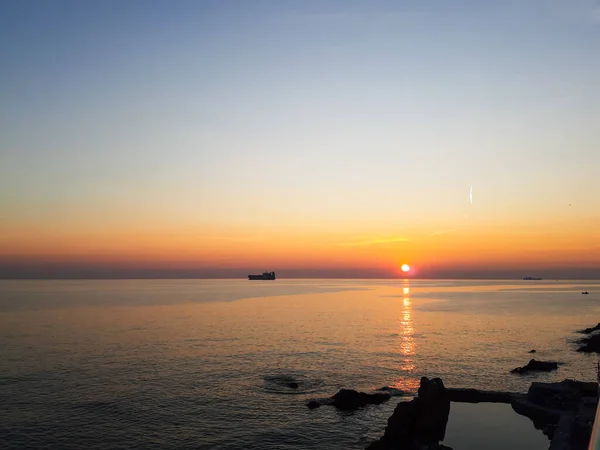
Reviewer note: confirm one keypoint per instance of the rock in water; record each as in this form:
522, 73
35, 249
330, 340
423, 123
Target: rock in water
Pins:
532, 351
316, 402
394, 392
591, 329
351, 399
539, 366
293, 385
590, 344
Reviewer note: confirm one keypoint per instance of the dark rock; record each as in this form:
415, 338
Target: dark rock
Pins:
586, 388
293, 385
532, 351
565, 395
590, 344
565, 411
402, 421
350, 399
431, 390
538, 366
584, 420
541, 416
394, 392
420, 423
549, 430
316, 402
434, 408
590, 330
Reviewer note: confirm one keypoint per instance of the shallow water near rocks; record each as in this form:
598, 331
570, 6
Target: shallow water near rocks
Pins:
493, 426
188, 364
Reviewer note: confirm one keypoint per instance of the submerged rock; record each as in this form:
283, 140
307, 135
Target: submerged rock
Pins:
350, 399
538, 366
394, 392
316, 402
293, 385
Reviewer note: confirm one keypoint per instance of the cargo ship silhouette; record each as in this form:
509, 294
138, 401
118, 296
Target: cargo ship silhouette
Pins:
264, 276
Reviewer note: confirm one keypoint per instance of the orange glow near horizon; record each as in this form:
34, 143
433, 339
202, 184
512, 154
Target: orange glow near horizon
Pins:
501, 246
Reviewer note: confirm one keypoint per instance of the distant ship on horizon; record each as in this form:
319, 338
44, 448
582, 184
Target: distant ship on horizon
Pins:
532, 278
264, 276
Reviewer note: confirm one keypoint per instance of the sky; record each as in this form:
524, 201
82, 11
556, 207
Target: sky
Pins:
314, 138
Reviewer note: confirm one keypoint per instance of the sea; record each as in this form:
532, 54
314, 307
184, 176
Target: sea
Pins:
207, 364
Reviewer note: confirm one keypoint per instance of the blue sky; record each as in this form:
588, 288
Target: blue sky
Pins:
194, 112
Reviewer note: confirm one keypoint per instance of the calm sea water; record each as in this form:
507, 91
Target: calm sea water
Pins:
188, 364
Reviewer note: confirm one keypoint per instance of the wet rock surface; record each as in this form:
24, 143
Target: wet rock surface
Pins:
290, 382
536, 366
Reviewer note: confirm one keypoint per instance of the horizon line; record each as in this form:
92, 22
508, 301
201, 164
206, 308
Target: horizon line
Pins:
166, 277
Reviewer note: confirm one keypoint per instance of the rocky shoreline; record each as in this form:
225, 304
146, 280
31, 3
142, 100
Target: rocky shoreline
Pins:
563, 411
591, 343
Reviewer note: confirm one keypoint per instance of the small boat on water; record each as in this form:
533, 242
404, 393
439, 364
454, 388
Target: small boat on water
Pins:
264, 276
532, 278
585, 292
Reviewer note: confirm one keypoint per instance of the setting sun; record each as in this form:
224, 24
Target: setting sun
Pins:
405, 268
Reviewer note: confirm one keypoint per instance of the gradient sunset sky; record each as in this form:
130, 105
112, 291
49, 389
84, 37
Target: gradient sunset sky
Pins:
313, 138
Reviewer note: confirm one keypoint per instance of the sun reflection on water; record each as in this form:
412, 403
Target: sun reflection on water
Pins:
407, 343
